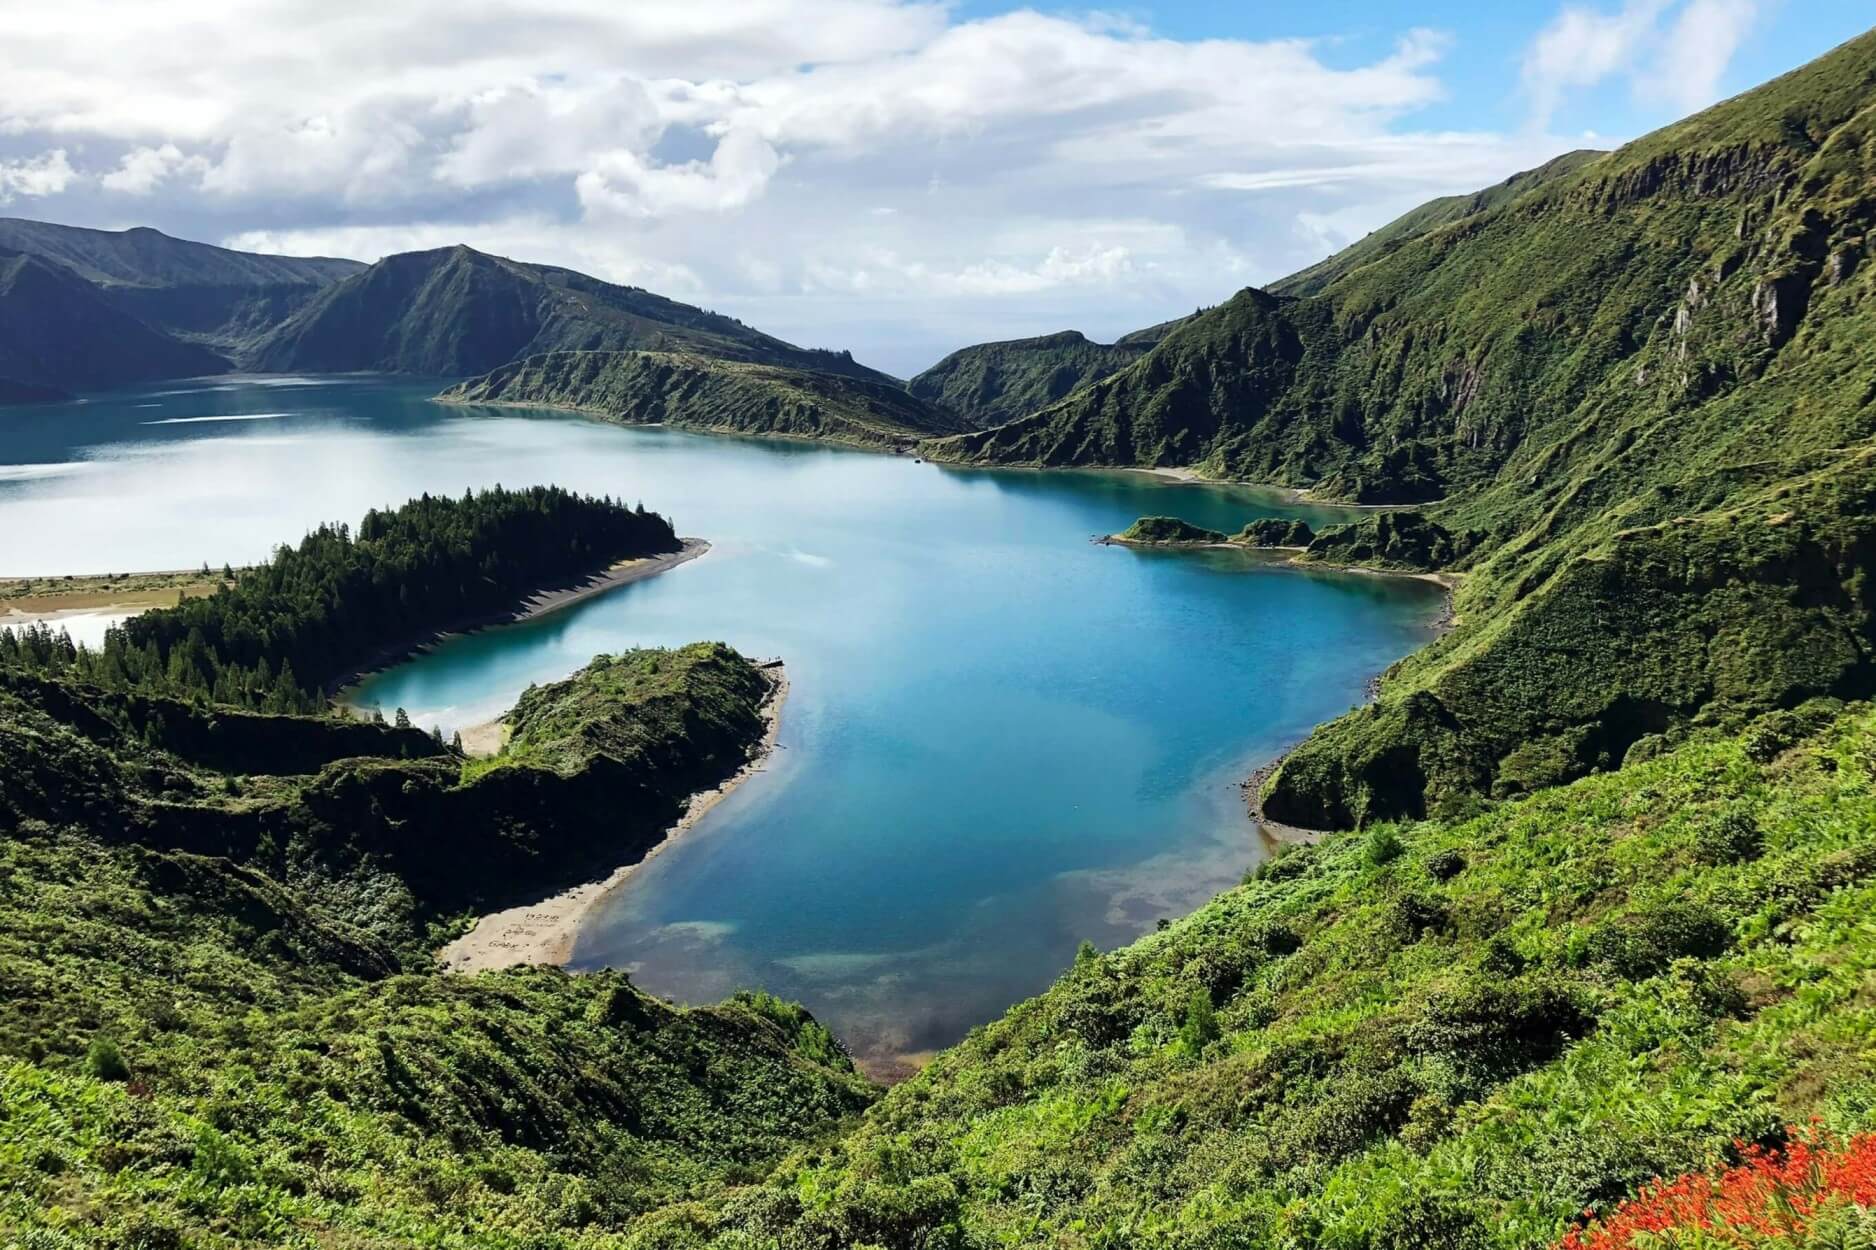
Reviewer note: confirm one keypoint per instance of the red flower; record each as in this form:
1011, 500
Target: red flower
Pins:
1769, 1193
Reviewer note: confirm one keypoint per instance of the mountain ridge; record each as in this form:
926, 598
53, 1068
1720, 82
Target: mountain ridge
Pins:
1665, 331
702, 393
411, 313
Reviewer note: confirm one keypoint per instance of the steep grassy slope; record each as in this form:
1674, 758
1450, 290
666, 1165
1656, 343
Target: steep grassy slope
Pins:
990, 383
1431, 216
59, 333
699, 393
1633, 395
1441, 1035
457, 311
196, 1049
208, 294
218, 1023
661, 713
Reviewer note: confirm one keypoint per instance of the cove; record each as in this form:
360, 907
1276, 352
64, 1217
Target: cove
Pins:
1000, 740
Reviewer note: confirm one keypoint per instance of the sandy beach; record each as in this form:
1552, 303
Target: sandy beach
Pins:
544, 932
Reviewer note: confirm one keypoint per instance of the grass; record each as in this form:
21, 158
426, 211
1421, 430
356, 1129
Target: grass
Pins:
1479, 1027
221, 1026
696, 392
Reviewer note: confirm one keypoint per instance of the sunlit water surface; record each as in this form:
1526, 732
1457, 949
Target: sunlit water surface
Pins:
1001, 739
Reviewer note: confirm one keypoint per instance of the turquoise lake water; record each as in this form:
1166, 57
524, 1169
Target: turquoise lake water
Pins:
1001, 738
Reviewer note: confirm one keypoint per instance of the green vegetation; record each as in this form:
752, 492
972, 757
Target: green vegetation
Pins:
1400, 541
1630, 398
221, 1022
698, 393
59, 334
675, 721
1431, 216
1167, 531
990, 383
1454, 1034
457, 311
219, 298
89, 309
1272, 532
276, 637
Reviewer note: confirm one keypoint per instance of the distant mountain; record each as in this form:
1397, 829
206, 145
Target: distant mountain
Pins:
990, 383
458, 311
722, 396
59, 333
1632, 395
133, 305
224, 299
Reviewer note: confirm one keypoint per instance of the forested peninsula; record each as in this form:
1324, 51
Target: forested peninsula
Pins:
277, 636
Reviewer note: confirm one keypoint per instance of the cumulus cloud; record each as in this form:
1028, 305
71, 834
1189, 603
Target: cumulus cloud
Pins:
621, 181
1680, 63
142, 170
824, 168
46, 174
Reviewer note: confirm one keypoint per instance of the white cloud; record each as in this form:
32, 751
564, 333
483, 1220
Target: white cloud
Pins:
881, 174
143, 169
46, 174
1680, 65
1698, 50
1583, 46
623, 182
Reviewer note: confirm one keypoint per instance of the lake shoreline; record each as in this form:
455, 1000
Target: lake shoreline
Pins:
888, 446
536, 604
546, 932
1292, 494
1449, 582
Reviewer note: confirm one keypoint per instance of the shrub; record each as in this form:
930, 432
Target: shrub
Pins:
1384, 846
1201, 1023
1643, 944
1413, 916
1445, 865
1733, 838
104, 1061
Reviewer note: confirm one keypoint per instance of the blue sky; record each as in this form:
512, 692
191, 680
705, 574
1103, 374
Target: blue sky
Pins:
1481, 69
898, 177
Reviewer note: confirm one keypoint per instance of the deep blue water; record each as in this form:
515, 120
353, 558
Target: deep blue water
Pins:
1001, 738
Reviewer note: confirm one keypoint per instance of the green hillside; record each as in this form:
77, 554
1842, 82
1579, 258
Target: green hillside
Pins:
1634, 396
1167, 531
456, 311
699, 393
1431, 216
221, 1027
1452, 1035
59, 333
194, 291
991, 383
